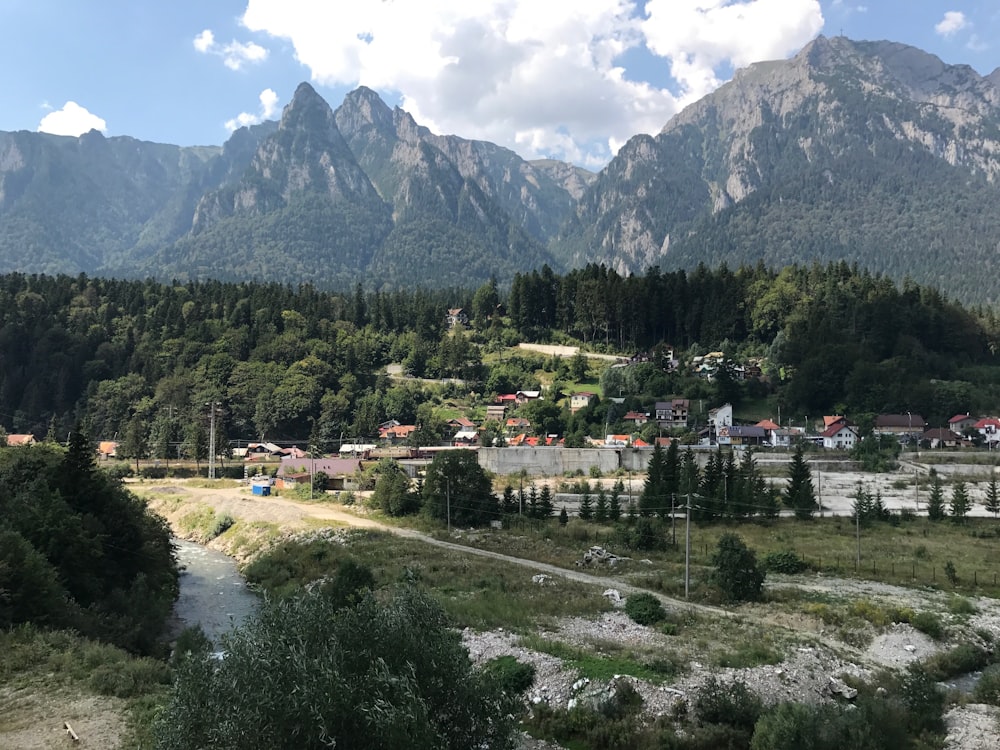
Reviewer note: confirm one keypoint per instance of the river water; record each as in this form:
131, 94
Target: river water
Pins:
213, 594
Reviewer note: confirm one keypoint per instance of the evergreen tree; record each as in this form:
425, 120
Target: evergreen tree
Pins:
690, 474
799, 494
935, 500
601, 509
533, 509
614, 502
862, 506
134, 445
586, 512
729, 493
509, 501
654, 490
545, 505
992, 496
672, 470
563, 516
878, 507
960, 503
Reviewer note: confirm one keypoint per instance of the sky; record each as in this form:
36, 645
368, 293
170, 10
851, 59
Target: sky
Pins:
565, 79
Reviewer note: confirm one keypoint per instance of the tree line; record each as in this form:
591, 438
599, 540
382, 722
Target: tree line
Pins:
141, 360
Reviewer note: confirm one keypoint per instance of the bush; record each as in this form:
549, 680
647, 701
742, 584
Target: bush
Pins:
786, 562
961, 659
732, 704
737, 574
929, 624
959, 605
130, 677
645, 609
387, 672
222, 524
119, 470
987, 690
513, 676
923, 699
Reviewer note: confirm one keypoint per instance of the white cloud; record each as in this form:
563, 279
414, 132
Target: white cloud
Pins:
544, 78
953, 22
234, 55
976, 44
72, 119
268, 108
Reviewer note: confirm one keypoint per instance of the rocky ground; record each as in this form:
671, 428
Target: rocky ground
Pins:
812, 670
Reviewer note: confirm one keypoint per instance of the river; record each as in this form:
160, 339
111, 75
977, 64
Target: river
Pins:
213, 594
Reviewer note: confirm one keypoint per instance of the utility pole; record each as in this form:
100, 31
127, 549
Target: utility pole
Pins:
819, 487
448, 506
687, 550
857, 526
211, 441
673, 520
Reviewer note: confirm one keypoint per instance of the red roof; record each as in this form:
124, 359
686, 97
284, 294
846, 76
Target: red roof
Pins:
767, 424
987, 422
640, 443
835, 428
960, 418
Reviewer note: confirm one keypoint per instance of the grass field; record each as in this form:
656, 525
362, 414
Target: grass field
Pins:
912, 553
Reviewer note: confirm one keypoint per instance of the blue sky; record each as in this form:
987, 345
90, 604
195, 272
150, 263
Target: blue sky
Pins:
571, 79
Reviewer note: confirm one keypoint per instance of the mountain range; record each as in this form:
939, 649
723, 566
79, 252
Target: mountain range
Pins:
873, 153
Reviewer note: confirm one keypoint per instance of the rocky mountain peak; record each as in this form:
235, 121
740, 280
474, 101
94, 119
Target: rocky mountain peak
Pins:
363, 109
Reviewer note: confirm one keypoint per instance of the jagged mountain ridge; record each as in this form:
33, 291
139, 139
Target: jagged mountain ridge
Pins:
870, 152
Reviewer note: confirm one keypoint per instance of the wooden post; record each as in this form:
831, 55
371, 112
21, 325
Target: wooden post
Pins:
69, 730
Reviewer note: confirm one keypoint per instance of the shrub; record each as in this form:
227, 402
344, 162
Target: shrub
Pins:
929, 624
387, 672
192, 641
987, 690
961, 659
737, 574
959, 605
129, 678
222, 525
119, 470
868, 610
923, 699
732, 704
513, 676
645, 609
786, 562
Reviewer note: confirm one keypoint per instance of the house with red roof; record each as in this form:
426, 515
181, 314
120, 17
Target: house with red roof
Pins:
21, 440
989, 428
396, 433
636, 417
517, 424
840, 435
961, 422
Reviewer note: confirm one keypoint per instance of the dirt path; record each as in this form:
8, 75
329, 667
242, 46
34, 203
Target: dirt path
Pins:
291, 514
554, 350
